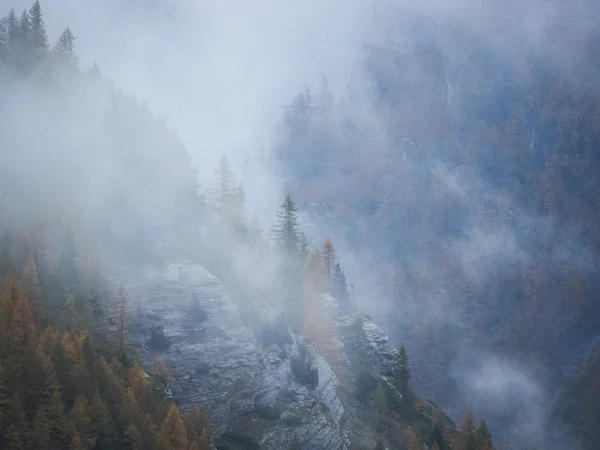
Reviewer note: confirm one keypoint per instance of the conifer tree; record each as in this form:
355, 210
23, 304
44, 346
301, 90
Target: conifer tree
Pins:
133, 438
380, 445
204, 442
39, 37
379, 400
328, 261
286, 231
84, 426
32, 291
64, 49
483, 435
340, 289
303, 244
402, 371
466, 439
437, 438
224, 185
412, 438
172, 432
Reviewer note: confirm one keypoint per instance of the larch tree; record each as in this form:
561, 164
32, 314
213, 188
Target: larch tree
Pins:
402, 371
466, 439
328, 261
172, 432
33, 292
133, 438
412, 439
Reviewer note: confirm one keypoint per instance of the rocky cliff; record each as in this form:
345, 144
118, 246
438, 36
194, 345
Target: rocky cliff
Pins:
246, 384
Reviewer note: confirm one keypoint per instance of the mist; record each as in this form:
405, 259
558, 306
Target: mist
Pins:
218, 76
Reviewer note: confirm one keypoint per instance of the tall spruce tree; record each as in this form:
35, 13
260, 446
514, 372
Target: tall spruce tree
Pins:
340, 289
328, 260
286, 232
402, 371
39, 37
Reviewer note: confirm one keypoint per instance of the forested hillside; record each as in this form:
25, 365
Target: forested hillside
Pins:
87, 175
463, 161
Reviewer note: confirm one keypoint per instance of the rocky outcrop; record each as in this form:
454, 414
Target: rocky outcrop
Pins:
246, 384
219, 366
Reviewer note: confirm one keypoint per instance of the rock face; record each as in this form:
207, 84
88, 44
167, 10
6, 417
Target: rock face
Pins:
218, 365
248, 382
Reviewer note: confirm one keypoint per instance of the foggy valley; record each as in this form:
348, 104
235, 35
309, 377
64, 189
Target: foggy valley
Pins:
369, 224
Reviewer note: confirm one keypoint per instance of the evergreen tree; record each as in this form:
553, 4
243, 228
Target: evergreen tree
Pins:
402, 371
224, 185
86, 429
329, 262
133, 438
483, 435
340, 289
437, 438
303, 243
39, 37
172, 432
64, 48
286, 232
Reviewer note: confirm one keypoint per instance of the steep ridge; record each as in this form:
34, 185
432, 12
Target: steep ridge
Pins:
248, 388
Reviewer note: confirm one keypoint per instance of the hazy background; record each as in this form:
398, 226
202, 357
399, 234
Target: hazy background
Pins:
220, 72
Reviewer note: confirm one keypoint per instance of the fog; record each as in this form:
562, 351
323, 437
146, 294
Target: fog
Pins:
220, 74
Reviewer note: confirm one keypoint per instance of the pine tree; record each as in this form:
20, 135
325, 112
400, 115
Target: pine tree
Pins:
223, 186
172, 432
340, 289
133, 438
483, 435
437, 438
286, 231
39, 37
402, 371
80, 416
64, 48
328, 261
303, 243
